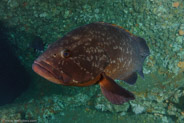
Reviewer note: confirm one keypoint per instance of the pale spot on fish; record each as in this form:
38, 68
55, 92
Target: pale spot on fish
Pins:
89, 39
96, 57
102, 58
124, 64
114, 70
88, 59
127, 50
91, 57
129, 62
76, 37
130, 52
62, 63
121, 48
75, 81
113, 61
115, 47
87, 50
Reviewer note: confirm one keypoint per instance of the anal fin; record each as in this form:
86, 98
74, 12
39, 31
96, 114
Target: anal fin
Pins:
113, 92
131, 79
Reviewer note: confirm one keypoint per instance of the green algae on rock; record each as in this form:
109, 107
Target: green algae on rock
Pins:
158, 21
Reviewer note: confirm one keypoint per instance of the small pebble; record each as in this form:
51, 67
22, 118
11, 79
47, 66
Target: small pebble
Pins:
181, 32
181, 64
176, 4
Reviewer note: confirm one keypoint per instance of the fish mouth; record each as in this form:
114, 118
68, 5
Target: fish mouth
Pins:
48, 72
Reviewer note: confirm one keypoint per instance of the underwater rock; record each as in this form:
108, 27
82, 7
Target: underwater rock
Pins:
181, 32
102, 104
176, 4
137, 109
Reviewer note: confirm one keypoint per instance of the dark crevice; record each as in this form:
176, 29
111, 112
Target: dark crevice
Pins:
13, 77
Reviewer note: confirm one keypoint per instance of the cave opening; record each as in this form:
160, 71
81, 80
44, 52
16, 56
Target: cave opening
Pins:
14, 79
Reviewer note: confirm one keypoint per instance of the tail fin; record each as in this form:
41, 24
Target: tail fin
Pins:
143, 52
143, 47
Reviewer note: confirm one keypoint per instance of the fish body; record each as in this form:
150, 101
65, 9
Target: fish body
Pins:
95, 53
37, 44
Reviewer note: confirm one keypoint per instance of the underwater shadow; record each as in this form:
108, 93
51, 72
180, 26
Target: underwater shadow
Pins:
14, 79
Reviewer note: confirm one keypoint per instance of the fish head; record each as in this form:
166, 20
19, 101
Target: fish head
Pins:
71, 60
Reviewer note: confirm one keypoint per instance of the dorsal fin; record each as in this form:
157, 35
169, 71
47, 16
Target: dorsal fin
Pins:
117, 26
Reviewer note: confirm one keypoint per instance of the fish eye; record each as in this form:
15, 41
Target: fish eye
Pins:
65, 53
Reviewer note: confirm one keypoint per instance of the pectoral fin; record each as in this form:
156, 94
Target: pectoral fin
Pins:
113, 92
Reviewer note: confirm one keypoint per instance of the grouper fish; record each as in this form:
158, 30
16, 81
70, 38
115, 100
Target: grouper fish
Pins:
96, 53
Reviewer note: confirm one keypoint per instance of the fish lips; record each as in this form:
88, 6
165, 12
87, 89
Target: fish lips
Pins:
48, 72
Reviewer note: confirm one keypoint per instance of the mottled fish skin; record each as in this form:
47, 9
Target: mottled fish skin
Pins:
95, 48
96, 53
124, 52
